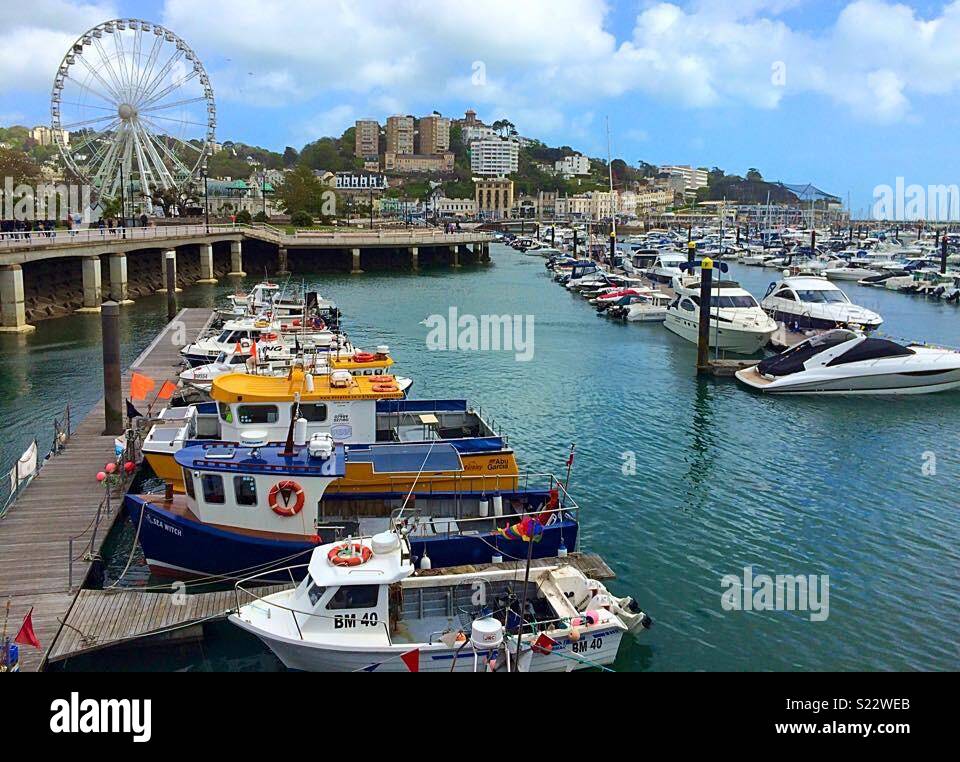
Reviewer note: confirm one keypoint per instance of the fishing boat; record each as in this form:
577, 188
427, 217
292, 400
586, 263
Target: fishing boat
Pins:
363, 606
809, 301
246, 359
368, 412
271, 337
843, 362
737, 322
256, 506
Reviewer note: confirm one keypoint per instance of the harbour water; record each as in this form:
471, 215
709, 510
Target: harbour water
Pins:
681, 480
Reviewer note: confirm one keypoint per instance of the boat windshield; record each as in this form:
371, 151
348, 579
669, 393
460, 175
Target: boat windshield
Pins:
793, 359
822, 297
729, 302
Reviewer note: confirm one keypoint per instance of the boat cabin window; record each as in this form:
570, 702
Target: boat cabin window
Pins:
213, 489
188, 483
734, 301
786, 294
822, 297
314, 412
245, 490
223, 337
258, 413
687, 304
355, 597
315, 592
225, 414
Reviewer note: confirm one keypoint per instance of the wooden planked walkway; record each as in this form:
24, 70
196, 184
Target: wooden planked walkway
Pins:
102, 618
62, 502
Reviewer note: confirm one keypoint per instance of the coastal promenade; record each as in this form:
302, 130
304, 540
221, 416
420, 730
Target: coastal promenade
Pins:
52, 535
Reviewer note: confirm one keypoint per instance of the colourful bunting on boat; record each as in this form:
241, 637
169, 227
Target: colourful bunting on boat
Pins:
412, 659
527, 529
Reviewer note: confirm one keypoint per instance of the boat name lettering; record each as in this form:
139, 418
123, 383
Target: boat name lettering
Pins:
349, 621
165, 526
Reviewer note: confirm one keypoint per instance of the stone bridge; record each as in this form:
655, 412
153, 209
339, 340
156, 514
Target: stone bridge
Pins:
44, 276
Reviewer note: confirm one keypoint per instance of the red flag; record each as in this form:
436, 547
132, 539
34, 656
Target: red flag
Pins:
167, 390
412, 659
253, 351
570, 459
544, 644
140, 386
26, 636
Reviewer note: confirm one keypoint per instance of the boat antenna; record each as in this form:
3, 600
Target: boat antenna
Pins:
288, 451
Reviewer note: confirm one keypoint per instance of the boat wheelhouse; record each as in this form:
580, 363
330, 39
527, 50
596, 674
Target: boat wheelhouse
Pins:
361, 411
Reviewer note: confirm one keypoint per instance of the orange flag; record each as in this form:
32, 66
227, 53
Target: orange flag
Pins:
141, 386
26, 636
167, 390
253, 351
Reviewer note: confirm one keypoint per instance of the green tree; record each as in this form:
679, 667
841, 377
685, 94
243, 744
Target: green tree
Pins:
754, 176
290, 156
301, 191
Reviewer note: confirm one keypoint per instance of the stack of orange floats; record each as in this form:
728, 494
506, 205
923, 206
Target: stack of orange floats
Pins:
385, 384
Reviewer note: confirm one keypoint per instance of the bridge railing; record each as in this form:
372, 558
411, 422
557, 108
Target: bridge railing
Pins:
48, 238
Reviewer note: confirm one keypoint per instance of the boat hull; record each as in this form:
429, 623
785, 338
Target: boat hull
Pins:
728, 339
891, 383
177, 546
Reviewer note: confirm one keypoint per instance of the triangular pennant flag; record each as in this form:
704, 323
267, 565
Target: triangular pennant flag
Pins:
253, 351
412, 659
27, 637
132, 412
371, 668
141, 386
167, 390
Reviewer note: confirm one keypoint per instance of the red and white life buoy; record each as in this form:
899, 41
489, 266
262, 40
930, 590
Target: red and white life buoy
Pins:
286, 490
349, 555
364, 357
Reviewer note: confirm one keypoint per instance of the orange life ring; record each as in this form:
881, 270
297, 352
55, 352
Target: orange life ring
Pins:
364, 357
288, 487
384, 388
268, 336
353, 559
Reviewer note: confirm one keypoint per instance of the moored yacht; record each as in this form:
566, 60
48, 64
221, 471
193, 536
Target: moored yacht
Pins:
809, 301
844, 362
737, 322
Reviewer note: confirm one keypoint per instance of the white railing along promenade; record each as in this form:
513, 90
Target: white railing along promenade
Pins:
37, 239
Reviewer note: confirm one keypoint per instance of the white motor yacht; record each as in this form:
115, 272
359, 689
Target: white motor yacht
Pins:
808, 301
845, 362
737, 322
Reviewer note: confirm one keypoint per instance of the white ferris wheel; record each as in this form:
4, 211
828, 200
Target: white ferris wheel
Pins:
132, 110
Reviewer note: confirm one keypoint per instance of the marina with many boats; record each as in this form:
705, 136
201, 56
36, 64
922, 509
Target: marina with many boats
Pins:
300, 456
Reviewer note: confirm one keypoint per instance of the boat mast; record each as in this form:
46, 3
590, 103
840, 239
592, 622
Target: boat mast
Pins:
613, 205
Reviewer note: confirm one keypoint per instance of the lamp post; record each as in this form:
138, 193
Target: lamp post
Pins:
206, 200
123, 204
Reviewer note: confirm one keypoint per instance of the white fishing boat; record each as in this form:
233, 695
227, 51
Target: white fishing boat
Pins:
272, 336
737, 322
843, 362
362, 606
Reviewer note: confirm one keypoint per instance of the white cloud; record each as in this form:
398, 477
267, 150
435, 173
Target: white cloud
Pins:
545, 62
34, 38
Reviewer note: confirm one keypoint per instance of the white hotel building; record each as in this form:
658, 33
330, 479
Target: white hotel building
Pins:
692, 178
494, 157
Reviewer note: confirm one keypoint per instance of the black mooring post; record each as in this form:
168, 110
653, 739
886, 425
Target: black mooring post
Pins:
943, 254
171, 258
112, 385
703, 336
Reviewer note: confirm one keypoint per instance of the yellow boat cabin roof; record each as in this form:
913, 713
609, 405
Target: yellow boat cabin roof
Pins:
244, 387
351, 362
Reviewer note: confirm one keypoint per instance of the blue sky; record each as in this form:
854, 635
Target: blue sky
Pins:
848, 95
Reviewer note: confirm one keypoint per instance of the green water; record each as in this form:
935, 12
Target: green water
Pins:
723, 479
